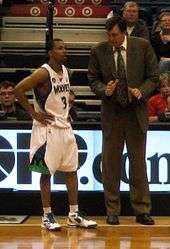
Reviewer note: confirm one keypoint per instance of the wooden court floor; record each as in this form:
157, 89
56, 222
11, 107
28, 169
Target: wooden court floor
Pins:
127, 235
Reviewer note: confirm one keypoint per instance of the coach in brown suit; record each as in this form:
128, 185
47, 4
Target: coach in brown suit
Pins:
127, 122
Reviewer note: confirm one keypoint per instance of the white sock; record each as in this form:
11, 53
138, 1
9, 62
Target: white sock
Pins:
47, 210
73, 208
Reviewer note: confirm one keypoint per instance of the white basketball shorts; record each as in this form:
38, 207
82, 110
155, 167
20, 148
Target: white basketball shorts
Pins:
61, 152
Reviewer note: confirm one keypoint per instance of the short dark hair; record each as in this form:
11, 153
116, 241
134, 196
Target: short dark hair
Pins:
116, 20
50, 44
6, 84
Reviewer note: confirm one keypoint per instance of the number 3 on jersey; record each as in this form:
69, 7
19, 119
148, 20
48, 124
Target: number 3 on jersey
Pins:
64, 102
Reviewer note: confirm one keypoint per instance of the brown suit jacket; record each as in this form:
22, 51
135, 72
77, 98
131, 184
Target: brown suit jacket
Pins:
142, 73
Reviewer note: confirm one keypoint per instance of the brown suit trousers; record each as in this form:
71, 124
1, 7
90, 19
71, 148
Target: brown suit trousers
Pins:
126, 129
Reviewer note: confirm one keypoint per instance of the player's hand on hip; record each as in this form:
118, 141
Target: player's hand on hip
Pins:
110, 87
43, 117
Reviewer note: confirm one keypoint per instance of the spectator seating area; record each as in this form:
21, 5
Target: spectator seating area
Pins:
80, 23
23, 49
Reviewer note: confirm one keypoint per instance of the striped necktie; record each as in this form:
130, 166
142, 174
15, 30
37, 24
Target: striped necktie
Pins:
122, 87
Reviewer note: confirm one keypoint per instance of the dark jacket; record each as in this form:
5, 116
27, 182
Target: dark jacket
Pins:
18, 114
141, 30
161, 49
142, 73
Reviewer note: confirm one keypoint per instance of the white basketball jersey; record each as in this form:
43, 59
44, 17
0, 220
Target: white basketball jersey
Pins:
57, 101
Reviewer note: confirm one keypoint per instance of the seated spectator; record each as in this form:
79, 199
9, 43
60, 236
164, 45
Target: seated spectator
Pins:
9, 107
161, 41
135, 26
159, 105
156, 24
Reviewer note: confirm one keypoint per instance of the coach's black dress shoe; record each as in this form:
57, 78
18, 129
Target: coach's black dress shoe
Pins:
112, 220
144, 219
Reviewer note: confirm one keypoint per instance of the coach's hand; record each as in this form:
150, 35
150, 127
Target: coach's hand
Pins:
135, 92
110, 87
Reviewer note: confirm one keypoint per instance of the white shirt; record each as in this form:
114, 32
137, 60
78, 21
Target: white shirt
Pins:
110, 14
123, 52
129, 29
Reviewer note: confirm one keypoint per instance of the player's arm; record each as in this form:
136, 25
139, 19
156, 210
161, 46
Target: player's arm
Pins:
36, 78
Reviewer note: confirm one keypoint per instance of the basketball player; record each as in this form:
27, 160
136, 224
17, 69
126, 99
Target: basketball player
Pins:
53, 145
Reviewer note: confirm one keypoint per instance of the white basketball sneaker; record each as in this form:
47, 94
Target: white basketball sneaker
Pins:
49, 222
79, 220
